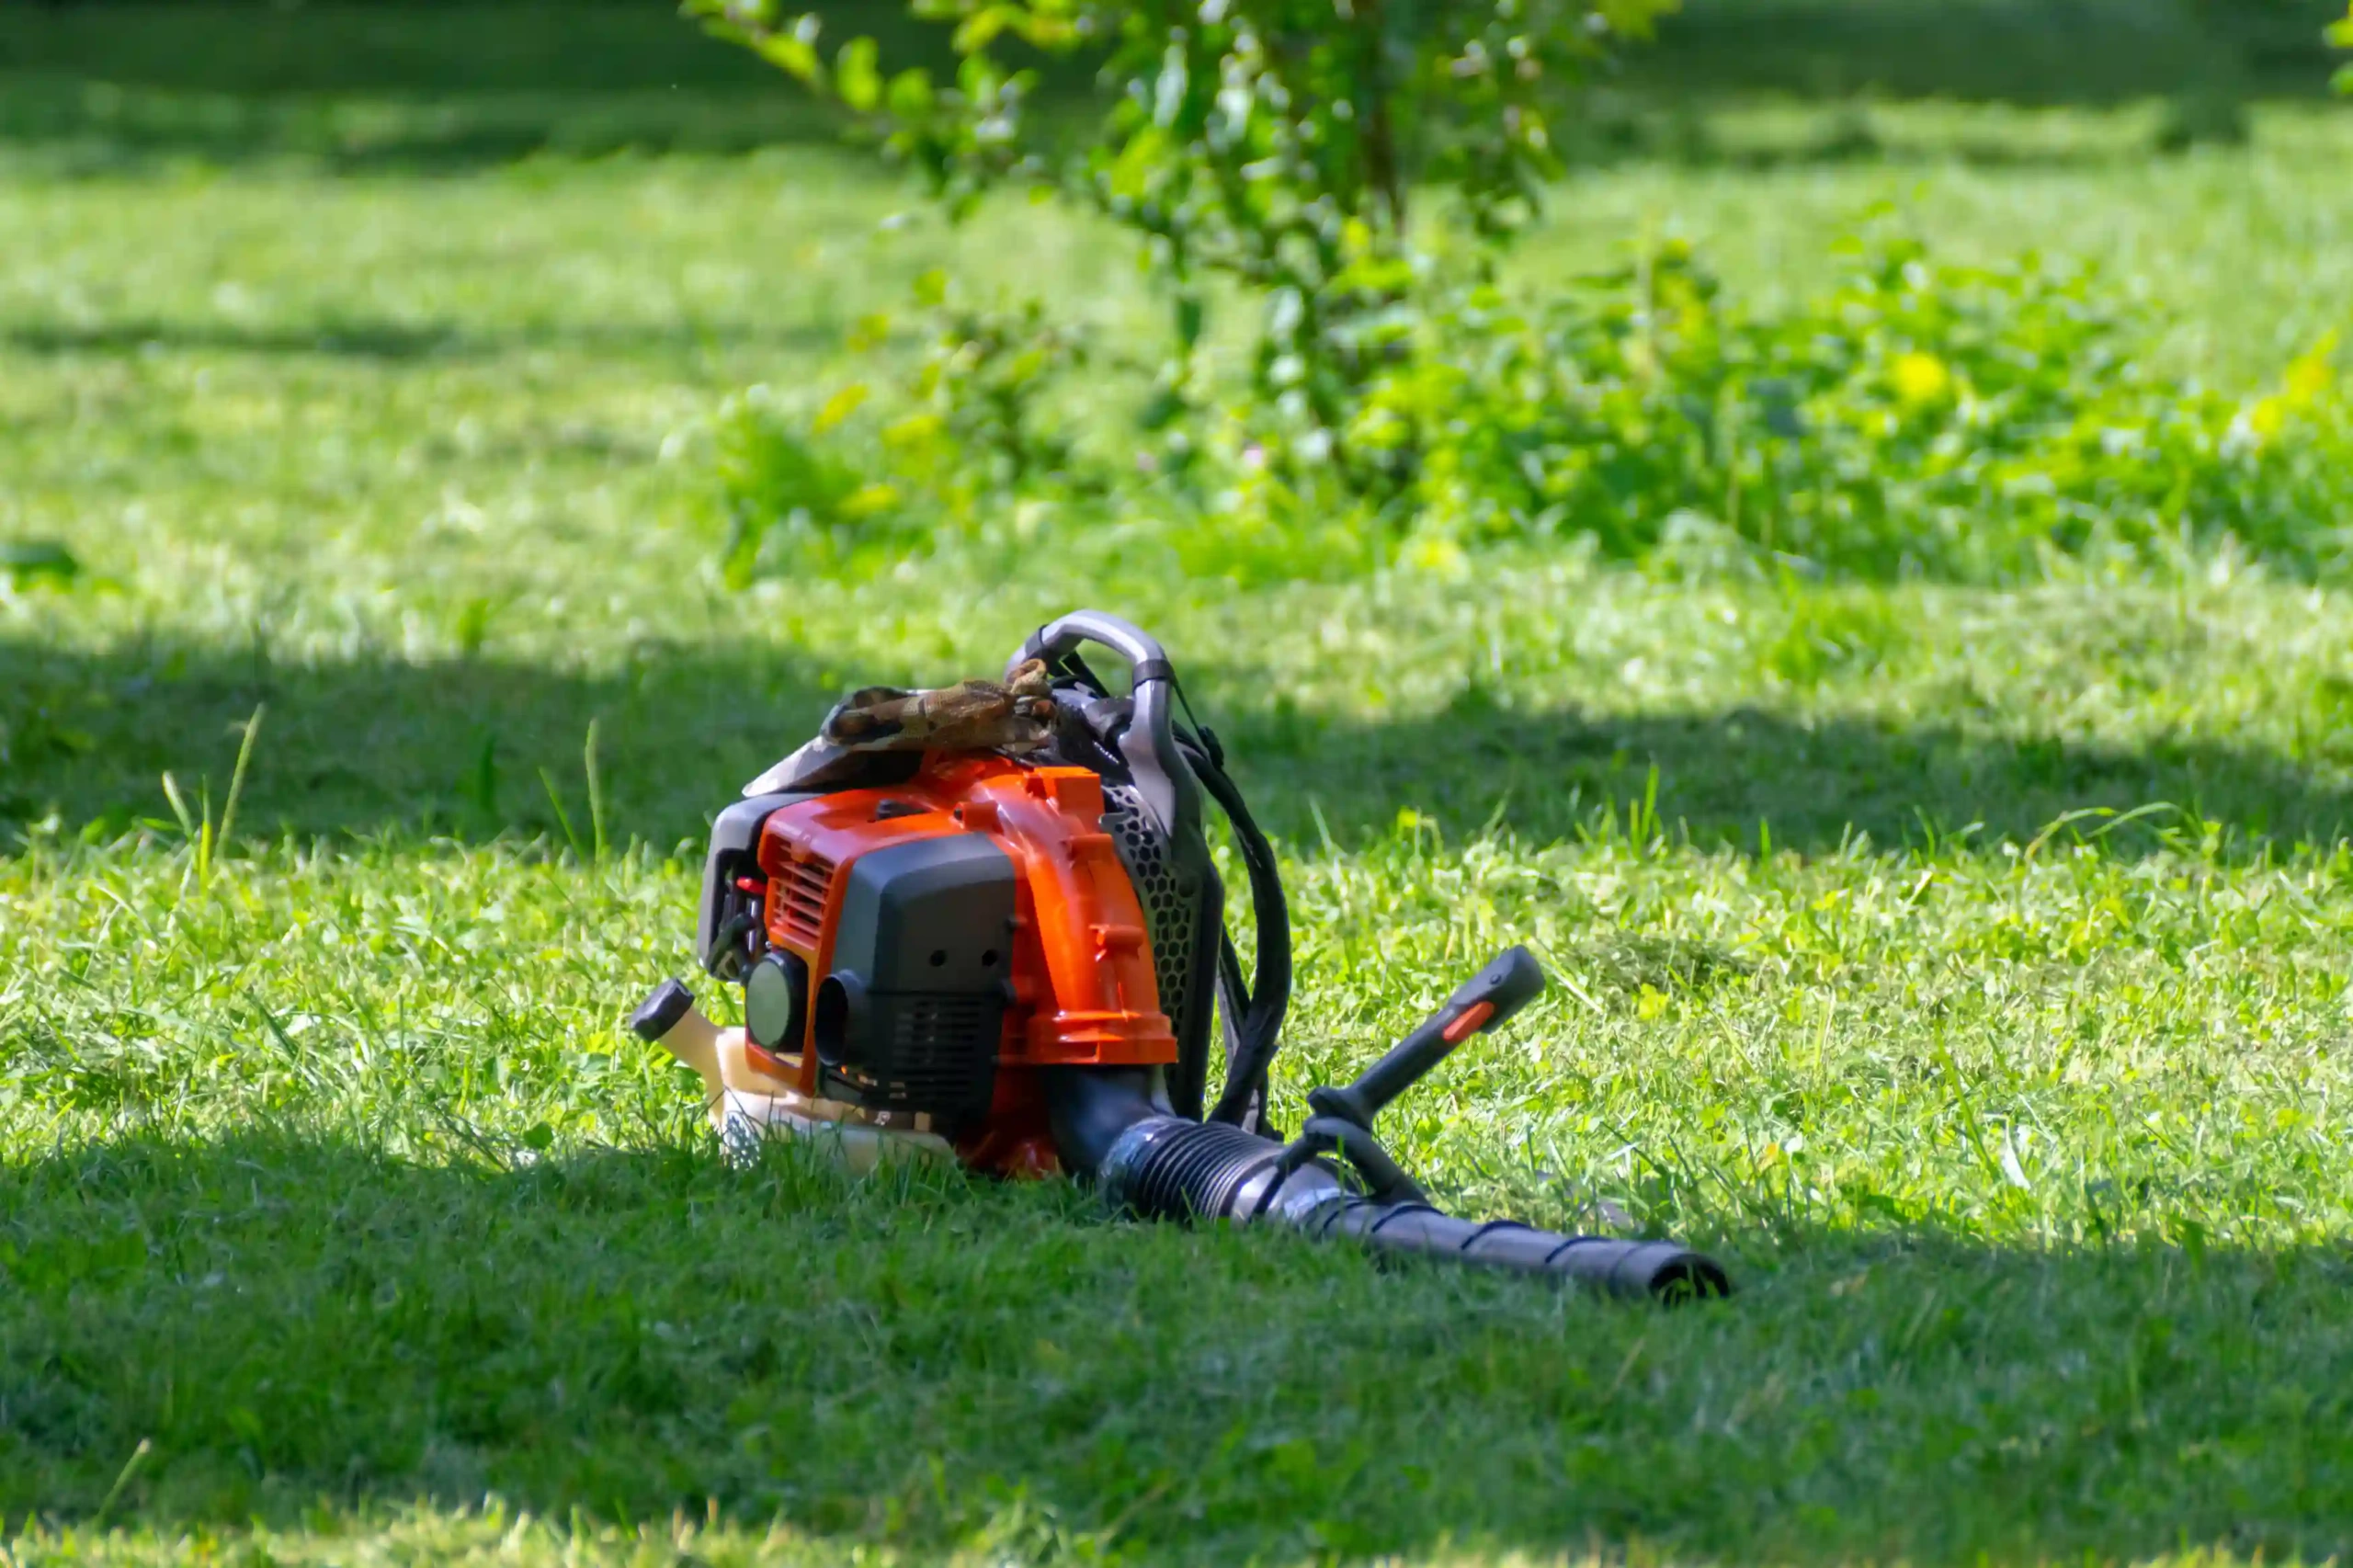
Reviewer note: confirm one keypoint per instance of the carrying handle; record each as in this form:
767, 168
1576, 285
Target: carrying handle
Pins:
1162, 778
1057, 640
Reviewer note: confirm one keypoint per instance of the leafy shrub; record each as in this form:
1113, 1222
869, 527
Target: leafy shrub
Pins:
1917, 417
884, 465
782, 489
981, 393
1269, 143
1398, 404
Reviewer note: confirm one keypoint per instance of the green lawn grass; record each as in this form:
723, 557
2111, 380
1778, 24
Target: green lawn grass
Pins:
339, 1222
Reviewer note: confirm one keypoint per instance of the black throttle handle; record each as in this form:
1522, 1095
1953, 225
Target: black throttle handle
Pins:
1509, 983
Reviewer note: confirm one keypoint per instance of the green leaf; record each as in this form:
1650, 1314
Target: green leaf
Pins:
1052, 33
910, 96
838, 407
739, 560
855, 77
793, 54
471, 627
1633, 18
914, 430
1130, 173
1167, 406
870, 499
37, 560
982, 26
979, 78
1190, 316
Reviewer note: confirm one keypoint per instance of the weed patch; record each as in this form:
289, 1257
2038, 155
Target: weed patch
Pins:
1984, 425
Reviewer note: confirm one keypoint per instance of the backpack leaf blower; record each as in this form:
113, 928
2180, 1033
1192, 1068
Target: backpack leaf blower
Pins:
982, 923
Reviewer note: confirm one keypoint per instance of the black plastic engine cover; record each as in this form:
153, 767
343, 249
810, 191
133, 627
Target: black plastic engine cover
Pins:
910, 1016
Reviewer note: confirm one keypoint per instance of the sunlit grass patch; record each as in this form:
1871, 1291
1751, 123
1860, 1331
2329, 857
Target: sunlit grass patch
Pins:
1967, 967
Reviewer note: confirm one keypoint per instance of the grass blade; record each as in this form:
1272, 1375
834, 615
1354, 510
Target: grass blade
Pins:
122, 1479
237, 779
562, 818
595, 795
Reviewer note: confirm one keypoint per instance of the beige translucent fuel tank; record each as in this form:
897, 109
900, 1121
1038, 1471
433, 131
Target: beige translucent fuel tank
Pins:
739, 1098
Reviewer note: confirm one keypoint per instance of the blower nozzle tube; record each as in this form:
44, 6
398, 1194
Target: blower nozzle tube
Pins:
1159, 1166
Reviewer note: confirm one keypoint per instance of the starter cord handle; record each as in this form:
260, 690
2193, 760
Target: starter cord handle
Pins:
1508, 984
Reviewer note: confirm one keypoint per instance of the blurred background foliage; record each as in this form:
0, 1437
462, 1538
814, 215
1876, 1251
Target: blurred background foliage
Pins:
1393, 399
1343, 379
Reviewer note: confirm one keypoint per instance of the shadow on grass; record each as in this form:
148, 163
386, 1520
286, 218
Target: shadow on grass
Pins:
2026, 53
1688, 138
426, 134
1814, 783
393, 342
418, 89
289, 1320
442, 88
460, 747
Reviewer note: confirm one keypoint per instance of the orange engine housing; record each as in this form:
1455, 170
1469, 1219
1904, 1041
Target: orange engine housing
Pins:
1078, 986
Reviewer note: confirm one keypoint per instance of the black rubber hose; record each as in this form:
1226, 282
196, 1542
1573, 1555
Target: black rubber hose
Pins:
1158, 1166
1260, 1027
1661, 1270
1089, 1109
